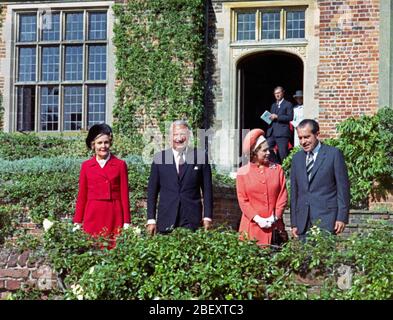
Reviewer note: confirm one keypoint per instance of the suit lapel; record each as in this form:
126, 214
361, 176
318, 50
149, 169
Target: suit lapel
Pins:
169, 159
275, 108
109, 168
97, 169
303, 166
319, 161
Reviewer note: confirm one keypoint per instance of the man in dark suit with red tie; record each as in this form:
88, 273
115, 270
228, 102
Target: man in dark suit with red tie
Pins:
279, 132
179, 176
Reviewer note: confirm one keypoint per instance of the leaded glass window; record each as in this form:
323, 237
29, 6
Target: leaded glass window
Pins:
246, 26
61, 73
295, 24
269, 24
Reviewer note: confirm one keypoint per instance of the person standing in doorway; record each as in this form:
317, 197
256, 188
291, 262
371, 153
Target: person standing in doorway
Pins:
298, 114
279, 134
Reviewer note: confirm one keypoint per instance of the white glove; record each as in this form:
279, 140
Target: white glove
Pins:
265, 224
262, 222
271, 220
76, 227
126, 226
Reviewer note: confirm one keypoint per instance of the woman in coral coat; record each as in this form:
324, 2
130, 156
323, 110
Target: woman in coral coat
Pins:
261, 190
102, 206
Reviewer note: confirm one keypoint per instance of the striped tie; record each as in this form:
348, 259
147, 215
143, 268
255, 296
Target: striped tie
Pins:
309, 164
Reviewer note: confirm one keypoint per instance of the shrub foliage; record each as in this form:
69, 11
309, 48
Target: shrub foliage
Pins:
216, 265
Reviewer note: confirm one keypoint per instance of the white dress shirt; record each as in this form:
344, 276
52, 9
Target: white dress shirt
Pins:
279, 103
176, 155
315, 151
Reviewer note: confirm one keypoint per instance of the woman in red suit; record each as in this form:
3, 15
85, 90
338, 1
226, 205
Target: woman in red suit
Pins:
261, 190
102, 206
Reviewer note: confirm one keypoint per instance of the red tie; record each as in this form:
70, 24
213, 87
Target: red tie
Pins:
181, 164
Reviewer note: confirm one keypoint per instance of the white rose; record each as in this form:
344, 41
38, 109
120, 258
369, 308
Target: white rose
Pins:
76, 227
47, 224
137, 231
315, 230
77, 291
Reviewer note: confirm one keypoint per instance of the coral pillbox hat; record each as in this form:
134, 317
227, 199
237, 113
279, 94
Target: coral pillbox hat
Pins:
252, 140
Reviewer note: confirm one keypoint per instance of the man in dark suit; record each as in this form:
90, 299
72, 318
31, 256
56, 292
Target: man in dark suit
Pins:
319, 184
179, 175
279, 132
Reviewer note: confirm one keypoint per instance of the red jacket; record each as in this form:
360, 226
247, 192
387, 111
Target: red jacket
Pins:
103, 201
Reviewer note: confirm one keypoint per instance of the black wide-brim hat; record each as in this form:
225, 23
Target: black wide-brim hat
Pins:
97, 130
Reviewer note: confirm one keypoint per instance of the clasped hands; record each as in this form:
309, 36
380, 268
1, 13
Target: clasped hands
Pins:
265, 223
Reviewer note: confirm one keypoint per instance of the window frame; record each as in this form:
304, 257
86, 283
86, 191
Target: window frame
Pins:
61, 83
237, 24
283, 11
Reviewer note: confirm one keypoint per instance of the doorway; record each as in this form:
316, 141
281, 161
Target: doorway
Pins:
258, 75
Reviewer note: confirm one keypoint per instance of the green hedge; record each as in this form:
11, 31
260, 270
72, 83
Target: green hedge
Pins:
17, 146
47, 187
216, 265
159, 58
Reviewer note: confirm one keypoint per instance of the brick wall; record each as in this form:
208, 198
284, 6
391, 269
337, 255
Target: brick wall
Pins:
24, 269
349, 58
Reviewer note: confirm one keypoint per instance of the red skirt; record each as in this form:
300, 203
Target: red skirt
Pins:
103, 218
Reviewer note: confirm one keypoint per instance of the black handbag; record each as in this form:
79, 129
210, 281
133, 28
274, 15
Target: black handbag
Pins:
279, 235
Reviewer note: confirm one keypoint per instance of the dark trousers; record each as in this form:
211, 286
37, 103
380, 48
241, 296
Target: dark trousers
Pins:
282, 145
303, 236
181, 222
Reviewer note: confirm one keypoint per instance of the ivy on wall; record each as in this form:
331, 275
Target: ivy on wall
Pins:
159, 51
